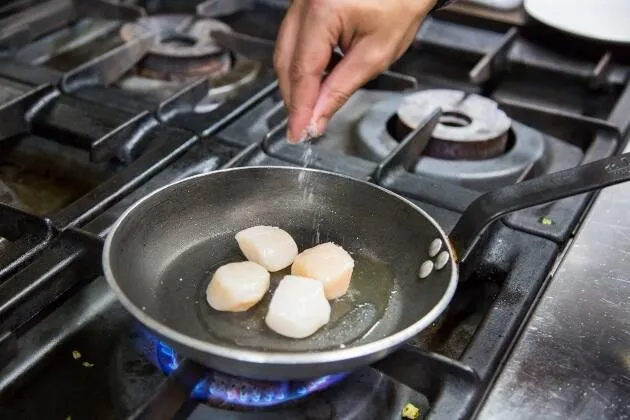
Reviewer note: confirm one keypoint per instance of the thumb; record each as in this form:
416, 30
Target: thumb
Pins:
363, 62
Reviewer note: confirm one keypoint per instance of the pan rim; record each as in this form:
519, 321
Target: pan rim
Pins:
270, 357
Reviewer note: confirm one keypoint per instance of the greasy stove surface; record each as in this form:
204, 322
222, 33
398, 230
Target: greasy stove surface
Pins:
102, 114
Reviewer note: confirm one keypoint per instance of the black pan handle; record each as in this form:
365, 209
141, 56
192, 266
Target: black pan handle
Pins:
491, 206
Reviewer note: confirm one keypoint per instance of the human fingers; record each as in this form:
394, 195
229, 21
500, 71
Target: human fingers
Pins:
364, 61
318, 33
370, 50
285, 45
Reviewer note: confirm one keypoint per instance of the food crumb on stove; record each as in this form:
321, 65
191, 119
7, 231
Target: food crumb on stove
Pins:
410, 412
546, 221
87, 364
76, 355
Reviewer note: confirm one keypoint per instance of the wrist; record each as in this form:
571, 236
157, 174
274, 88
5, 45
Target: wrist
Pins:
439, 4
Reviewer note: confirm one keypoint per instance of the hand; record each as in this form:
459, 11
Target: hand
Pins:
371, 33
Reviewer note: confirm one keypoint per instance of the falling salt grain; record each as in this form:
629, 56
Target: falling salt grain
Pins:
441, 260
425, 269
435, 247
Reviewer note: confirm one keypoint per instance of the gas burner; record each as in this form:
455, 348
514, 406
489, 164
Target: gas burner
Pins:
226, 391
184, 51
475, 144
183, 48
471, 127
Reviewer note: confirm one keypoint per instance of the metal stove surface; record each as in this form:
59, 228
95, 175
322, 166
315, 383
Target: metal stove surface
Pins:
64, 339
100, 353
364, 128
98, 322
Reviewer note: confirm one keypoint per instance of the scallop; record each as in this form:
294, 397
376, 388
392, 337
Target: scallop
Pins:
236, 287
269, 246
298, 307
328, 263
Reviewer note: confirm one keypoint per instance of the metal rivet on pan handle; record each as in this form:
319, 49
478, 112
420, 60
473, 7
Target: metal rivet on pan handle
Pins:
435, 247
425, 269
441, 260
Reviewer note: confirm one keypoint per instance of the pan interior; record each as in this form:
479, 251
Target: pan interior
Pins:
165, 251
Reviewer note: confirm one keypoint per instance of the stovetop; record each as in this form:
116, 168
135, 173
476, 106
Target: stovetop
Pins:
106, 102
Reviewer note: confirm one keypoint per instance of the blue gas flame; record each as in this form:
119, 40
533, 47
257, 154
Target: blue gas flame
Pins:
223, 388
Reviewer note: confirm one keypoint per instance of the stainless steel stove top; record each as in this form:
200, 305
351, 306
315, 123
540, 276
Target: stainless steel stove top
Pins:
102, 112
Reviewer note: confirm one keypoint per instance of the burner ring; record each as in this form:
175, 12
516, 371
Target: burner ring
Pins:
178, 35
374, 142
184, 69
220, 389
224, 85
471, 126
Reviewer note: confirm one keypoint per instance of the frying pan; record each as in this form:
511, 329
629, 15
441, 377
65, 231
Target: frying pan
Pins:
161, 253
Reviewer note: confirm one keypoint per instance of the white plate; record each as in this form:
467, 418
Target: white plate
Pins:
601, 20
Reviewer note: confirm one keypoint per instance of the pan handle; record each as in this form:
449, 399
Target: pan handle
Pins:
547, 188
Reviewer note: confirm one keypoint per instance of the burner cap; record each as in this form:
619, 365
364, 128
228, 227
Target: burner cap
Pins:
471, 127
179, 35
183, 48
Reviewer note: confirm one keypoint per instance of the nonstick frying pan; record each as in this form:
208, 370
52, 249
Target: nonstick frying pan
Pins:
161, 253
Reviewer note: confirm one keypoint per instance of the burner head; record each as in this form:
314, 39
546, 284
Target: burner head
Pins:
226, 391
376, 137
471, 127
183, 49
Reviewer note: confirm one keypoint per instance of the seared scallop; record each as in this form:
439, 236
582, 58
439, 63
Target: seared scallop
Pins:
298, 307
269, 246
328, 263
236, 287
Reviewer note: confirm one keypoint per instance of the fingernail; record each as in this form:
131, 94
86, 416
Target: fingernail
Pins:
317, 129
297, 139
289, 137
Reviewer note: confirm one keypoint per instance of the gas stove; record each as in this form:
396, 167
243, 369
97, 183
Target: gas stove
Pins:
106, 102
